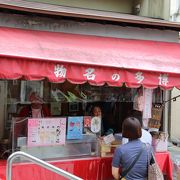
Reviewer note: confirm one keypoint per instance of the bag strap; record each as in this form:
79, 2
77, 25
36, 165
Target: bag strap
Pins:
150, 155
124, 173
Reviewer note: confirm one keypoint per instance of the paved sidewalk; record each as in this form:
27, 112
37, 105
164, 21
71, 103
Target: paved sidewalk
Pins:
175, 156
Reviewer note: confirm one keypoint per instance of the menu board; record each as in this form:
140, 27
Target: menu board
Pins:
75, 127
46, 131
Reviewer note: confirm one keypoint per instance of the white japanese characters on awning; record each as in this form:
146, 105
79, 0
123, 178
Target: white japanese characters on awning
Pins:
38, 55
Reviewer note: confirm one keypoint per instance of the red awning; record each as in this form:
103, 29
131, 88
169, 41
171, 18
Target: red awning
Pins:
35, 55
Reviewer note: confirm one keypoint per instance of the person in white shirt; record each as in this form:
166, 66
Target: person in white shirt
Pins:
146, 137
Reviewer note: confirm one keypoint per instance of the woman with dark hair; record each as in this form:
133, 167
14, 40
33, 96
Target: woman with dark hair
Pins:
96, 111
146, 136
131, 158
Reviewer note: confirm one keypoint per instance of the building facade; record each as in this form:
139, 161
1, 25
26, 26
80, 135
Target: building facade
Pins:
138, 19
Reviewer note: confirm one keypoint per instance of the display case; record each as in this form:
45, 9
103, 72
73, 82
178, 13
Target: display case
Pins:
46, 138
88, 146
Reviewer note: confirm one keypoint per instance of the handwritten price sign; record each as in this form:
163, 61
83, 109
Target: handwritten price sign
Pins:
46, 131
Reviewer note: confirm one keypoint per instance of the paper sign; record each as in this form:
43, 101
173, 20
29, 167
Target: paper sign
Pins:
147, 103
96, 124
108, 139
46, 131
87, 121
75, 127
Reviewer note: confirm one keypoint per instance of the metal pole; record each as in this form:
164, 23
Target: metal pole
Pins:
14, 139
36, 161
13, 135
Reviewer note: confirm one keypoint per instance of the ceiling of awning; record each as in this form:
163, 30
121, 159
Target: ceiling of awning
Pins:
35, 55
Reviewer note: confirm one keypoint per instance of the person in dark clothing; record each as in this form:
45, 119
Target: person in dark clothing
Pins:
35, 110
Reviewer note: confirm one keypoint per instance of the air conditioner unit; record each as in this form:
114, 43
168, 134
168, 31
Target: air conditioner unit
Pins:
153, 8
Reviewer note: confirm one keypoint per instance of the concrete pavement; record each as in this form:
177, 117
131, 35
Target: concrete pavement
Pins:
175, 156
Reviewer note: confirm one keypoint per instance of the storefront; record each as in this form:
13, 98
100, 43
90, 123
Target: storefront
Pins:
72, 74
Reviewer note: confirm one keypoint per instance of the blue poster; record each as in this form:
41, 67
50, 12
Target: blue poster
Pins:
75, 127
